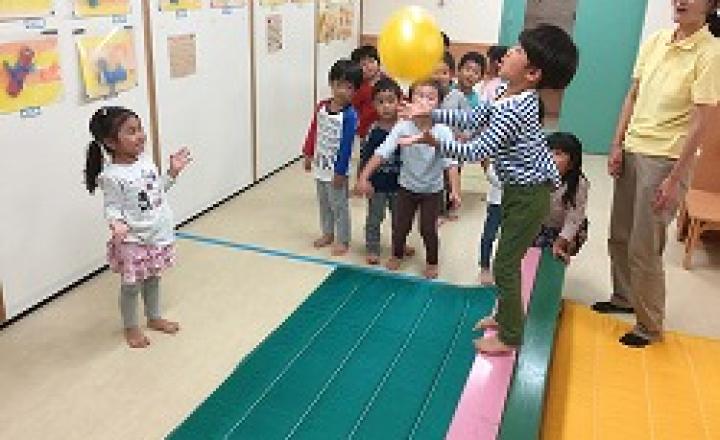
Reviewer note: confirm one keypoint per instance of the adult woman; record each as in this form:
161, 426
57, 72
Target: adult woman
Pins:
675, 89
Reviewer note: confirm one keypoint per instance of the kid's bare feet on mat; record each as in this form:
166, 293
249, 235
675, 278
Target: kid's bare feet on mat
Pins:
486, 323
492, 346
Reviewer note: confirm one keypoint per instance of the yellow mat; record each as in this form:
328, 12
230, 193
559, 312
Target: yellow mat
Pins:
600, 390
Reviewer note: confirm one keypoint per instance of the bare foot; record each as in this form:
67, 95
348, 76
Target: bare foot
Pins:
441, 221
372, 259
431, 271
325, 240
492, 346
338, 250
136, 338
393, 263
163, 325
409, 251
486, 323
485, 277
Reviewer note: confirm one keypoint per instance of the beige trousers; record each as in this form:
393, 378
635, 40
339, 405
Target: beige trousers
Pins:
637, 241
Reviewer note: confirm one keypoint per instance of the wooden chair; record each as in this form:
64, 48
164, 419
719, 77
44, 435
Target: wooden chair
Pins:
700, 211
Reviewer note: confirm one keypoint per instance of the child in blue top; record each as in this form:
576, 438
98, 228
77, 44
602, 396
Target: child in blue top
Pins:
511, 135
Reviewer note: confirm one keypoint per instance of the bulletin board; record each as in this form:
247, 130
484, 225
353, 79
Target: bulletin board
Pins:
52, 230
285, 77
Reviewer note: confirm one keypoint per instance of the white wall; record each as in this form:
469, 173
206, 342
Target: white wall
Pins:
466, 21
658, 16
51, 230
284, 84
209, 111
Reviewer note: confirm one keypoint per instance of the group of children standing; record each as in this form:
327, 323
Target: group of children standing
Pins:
412, 153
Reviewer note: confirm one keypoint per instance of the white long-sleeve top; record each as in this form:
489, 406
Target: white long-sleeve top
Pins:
136, 195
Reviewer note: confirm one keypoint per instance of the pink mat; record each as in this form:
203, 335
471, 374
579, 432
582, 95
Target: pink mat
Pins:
480, 408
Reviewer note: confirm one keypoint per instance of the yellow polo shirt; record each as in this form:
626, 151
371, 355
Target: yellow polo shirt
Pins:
673, 76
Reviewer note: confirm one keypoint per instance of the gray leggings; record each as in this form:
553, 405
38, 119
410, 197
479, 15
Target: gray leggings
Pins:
129, 299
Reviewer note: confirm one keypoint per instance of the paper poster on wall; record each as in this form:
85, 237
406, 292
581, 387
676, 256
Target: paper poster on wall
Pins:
272, 3
335, 21
182, 53
222, 4
179, 5
95, 8
25, 8
30, 74
274, 33
108, 63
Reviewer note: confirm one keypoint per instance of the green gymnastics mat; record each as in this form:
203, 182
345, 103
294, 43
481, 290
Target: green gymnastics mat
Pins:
367, 356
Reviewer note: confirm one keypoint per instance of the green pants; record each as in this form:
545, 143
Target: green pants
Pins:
524, 208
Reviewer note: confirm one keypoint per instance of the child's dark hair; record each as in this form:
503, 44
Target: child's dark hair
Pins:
550, 49
495, 54
346, 70
569, 144
446, 40
449, 61
474, 57
386, 84
363, 52
104, 124
713, 19
432, 83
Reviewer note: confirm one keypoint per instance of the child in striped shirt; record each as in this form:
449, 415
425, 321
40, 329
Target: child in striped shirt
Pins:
327, 150
511, 135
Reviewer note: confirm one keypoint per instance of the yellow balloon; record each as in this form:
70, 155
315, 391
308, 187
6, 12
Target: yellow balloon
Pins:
410, 44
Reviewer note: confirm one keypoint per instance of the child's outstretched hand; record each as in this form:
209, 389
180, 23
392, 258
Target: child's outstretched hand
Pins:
179, 161
560, 250
414, 109
307, 164
119, 230
363, 187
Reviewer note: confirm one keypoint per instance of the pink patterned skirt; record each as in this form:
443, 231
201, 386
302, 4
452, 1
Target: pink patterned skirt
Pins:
137, 262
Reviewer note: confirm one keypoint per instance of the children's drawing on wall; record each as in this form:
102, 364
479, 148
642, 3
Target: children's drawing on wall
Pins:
25, 8
179, 5
108, 63
274, 33
182, 53
227, 3
29, 74
272, 3
336, 19
94, 8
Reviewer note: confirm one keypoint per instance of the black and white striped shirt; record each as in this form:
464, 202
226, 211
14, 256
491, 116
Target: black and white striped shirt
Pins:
509, 131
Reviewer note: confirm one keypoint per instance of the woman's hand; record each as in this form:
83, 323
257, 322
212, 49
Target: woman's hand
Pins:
615, 161
666, 195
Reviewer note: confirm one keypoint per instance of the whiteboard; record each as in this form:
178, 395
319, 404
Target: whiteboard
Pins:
208, 111
51, 231
328, 53
284, 84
